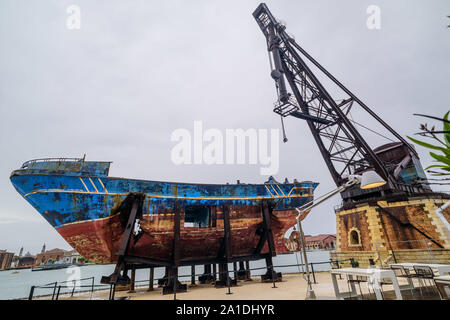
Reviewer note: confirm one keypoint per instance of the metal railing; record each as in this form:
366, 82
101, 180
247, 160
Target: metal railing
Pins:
27, 163
73, 285
422, 249
70, 284
383, 253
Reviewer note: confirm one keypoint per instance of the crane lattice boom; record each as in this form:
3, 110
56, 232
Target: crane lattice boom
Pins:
302, 95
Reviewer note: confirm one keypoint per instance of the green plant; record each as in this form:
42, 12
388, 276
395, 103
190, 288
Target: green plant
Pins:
355, 264
443, 159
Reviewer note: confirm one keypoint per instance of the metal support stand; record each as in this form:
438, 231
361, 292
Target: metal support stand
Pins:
173, 285
207, 277
193, 276
163, 281
310, 295
112, 291
242, 272
247, 267
131, 210
133, 279
131, 206
270, 275
225, 253
150, 282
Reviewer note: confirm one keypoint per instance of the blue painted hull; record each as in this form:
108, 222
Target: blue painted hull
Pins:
72, 194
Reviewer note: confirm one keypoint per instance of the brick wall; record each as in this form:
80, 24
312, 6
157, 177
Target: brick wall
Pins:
446, 213
6, 259
349, 221
394, 226
412, 255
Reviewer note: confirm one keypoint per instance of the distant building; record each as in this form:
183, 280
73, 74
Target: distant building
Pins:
6, 259
322, 241
71, 256
26, 261
50, 256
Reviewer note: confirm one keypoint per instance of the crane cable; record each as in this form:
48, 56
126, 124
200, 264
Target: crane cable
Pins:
373, 131
285, 139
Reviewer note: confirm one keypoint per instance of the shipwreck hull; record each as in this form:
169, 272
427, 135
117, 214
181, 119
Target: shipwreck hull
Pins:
99, 240
81, 202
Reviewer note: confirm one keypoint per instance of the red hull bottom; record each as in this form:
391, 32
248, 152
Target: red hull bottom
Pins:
99, 240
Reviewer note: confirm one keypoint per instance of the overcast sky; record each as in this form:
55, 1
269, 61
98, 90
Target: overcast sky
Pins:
117, 88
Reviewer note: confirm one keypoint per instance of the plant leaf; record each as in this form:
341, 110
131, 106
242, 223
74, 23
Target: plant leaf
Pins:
437, 173
447, 128
430, 146
437, 166
431, 117
440, 158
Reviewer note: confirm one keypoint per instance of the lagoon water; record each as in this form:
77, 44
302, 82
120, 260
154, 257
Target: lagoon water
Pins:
17, 285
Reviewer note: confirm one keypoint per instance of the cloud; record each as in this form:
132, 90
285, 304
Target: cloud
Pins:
117, 88
17, 219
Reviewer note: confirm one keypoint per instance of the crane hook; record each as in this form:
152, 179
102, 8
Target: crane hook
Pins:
285, 139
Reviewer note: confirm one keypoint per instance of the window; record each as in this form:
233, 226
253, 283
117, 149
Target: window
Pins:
354, 237
196, 217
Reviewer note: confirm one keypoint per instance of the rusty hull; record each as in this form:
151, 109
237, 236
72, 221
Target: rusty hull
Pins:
79, 200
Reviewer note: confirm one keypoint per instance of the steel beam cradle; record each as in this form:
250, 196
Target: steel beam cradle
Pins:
131, 207
131, 211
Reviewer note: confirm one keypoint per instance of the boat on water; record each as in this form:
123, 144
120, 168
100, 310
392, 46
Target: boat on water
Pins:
80, 200
51, 266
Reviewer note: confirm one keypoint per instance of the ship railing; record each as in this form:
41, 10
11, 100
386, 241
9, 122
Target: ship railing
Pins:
29, 162
73, 284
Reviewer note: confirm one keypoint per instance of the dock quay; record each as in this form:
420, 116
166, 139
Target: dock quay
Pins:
292, 287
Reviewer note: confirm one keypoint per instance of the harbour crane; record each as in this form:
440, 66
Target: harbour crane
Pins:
345, 150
